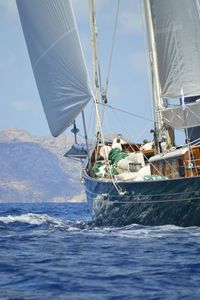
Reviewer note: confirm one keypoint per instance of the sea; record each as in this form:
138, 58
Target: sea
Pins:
55, 251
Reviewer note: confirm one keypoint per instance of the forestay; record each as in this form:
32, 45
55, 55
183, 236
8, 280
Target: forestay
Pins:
176, 26
57, 60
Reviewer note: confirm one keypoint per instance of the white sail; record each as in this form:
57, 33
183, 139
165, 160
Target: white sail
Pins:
176, 26
57, 60
186, 116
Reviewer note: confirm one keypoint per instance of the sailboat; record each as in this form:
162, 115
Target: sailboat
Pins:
154, 183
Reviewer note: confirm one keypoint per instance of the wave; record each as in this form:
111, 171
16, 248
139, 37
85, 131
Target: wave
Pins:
130, 231
30, 218
44, 219
137, 231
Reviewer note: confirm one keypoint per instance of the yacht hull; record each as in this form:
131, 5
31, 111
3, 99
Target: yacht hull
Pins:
161, 202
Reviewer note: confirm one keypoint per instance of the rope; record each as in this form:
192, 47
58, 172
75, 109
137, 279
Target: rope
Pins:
136, 144
195, 142
146, 201
192, 112
157, 170
140, 200
148, 195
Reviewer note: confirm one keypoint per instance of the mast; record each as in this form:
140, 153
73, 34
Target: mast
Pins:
94, 34
85, 132
157, 101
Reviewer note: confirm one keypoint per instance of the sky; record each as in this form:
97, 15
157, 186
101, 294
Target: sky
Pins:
129, 81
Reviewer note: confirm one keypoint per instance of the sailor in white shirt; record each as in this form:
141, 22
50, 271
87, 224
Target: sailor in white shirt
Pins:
118, 142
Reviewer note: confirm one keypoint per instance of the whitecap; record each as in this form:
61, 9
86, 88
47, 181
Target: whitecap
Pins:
30, 218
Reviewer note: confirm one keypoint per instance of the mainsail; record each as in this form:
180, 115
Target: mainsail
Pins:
177, 37
57, 59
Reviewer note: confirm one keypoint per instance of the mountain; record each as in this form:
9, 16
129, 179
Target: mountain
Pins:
33, 168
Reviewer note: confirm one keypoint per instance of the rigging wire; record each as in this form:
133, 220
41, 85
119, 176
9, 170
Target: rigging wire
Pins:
153, 166
103, 90
112, 46
98, 84
126, 112
104, 98
116, 117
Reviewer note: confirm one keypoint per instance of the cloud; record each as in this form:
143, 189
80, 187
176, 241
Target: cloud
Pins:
131, 17
9, 7
21, 106
138, 62
25, 106
8, 59
80, 8
131, 23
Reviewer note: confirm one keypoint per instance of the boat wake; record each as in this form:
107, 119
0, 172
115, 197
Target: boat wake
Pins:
30, 218
29, 221
42, 220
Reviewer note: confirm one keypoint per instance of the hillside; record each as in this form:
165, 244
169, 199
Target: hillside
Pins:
33, 169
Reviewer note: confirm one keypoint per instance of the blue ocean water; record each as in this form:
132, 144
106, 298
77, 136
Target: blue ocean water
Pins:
55, 251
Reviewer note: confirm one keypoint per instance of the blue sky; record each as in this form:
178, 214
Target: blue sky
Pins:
129, 85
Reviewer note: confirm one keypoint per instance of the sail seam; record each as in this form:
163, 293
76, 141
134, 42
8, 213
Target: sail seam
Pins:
53, 45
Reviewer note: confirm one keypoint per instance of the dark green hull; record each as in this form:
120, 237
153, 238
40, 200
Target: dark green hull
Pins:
173, 201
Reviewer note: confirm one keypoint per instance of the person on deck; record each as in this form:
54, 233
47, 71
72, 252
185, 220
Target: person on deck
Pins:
118, 142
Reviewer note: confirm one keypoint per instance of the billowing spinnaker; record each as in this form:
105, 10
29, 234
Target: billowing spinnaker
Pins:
176, 26
57, 60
